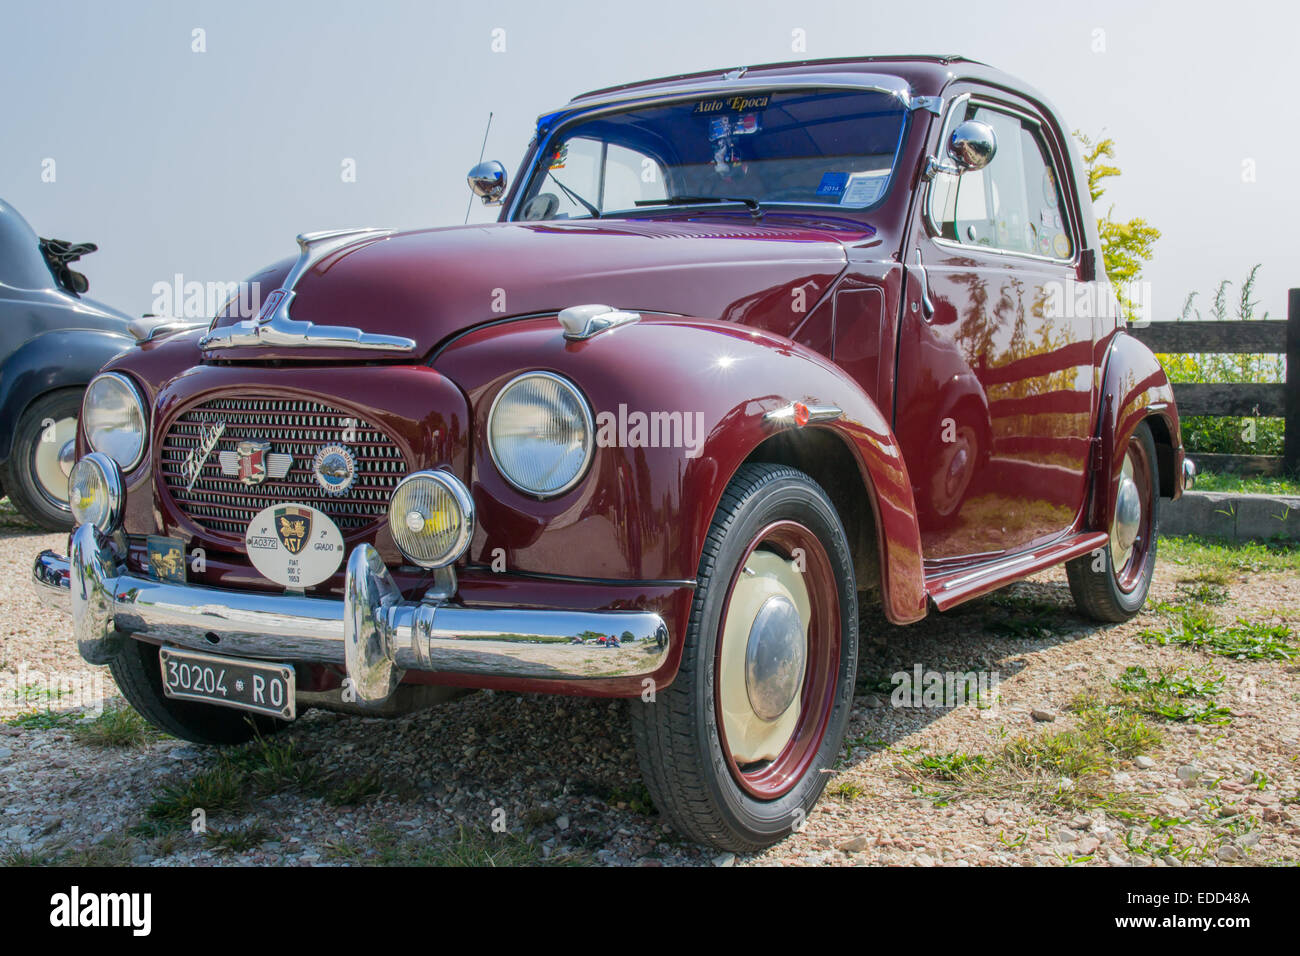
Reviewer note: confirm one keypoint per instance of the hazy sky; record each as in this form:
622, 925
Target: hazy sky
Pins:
209, 163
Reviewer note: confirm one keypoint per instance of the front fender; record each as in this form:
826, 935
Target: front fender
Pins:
644, 509
1134, 388
64, 358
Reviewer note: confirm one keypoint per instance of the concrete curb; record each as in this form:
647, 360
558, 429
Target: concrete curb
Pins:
1235, 517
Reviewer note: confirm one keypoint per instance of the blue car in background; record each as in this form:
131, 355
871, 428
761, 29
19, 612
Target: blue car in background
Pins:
52, 342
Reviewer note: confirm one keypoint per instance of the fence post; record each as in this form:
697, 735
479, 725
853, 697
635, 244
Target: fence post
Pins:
1291, 439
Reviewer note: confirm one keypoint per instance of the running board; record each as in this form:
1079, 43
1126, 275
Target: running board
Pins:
953, 588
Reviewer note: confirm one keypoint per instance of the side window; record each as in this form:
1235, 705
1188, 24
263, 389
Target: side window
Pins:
1014, 203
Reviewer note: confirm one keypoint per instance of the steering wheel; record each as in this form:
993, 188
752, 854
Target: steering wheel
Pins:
541, 206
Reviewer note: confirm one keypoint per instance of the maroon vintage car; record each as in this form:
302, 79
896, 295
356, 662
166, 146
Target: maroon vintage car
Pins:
854, 346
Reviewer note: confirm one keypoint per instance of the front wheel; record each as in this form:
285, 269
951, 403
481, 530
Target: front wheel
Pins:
36, 475
736, 751
1111, 583
139, 677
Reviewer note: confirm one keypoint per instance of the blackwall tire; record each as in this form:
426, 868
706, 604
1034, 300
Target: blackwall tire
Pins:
749, 792
31, 476
1111, 584
139, 677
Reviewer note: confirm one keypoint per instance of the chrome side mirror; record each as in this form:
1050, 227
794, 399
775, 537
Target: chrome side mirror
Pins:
972, 145
488, 180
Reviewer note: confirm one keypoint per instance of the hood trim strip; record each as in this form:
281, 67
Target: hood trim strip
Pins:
273, 326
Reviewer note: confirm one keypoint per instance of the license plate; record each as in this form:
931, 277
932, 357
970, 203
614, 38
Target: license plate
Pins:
258, 686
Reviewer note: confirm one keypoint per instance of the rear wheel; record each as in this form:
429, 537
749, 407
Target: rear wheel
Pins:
36, 474
1111, 584
139, 676
735, 751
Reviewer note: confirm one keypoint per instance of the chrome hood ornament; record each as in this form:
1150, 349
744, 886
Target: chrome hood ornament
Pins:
273, 326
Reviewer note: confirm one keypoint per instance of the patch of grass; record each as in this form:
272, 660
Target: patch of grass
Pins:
1210, 593
847, 790
468, 847
1209, 554
29, 858
116, 727
356, 789
1068, 768
12, 519
1175, 694
951, 766
1247, 484
635, 798
1027, 626
44, 719
1245, 640
218, 789
278, 765
236, 839
116, 849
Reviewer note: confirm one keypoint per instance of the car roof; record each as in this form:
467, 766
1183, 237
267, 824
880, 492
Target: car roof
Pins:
920, 74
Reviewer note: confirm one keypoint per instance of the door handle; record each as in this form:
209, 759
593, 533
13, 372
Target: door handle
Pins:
927, 306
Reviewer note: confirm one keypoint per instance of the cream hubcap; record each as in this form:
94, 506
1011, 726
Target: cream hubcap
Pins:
763, 658
1128, 516
52, 460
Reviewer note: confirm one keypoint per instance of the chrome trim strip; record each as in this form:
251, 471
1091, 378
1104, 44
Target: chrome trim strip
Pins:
273, 326
816, 413
109, 605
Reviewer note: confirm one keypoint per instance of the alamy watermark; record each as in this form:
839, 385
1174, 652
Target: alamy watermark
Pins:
1070, 299
39, 690
921, 687
637, 429
191, 299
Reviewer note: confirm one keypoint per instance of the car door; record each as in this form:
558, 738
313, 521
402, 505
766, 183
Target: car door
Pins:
995, 373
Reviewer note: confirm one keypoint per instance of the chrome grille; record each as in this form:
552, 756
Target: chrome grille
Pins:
223, 503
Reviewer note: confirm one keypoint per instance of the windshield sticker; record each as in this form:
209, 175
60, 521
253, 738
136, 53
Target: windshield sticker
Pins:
734, 104
560, 157
864, 188
832, 184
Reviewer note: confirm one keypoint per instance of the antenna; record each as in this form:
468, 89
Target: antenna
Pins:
481, 150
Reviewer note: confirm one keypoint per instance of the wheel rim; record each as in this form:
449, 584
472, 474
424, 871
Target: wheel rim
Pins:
1130, 528
52, 461
777, 659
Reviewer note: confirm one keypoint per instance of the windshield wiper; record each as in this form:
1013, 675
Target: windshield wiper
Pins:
595, 213
754, 207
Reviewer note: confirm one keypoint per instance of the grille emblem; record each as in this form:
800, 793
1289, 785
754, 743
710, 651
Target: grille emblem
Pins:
335, 468
252, 462
198, 455
293, 527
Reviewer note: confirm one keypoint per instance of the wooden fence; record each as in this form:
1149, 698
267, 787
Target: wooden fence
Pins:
1282, 400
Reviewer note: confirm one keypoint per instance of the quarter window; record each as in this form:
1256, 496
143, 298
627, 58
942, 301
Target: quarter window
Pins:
1014, 203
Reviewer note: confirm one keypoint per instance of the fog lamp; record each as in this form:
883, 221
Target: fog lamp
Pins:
431, 516
95, 492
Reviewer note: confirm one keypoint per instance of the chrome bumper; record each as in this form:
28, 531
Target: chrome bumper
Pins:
372, 633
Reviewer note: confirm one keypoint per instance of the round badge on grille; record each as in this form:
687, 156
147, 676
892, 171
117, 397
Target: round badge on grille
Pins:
335, 468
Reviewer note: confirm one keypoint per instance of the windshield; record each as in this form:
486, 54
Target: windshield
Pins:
805, 147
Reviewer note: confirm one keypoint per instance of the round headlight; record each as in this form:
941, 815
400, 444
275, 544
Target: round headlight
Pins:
112, 416
95, 492
540, 434
431, 516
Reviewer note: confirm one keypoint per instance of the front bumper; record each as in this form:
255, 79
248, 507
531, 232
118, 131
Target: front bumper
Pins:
372, 634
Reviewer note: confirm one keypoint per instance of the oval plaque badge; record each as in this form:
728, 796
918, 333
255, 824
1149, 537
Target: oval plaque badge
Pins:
294, 545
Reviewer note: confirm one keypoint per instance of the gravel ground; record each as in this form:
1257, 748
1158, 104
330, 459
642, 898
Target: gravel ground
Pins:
559, 776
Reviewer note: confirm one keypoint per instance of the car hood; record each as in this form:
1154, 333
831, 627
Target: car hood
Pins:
429, 285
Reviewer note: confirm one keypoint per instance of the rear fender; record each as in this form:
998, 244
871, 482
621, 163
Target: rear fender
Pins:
64, 358
1135, 388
